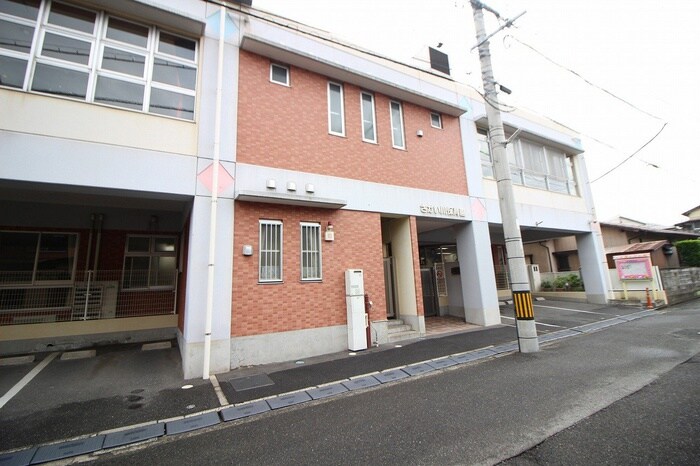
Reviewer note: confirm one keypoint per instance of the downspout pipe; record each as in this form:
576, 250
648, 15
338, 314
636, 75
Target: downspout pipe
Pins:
214, 196
89, 242
98, 241
549, 254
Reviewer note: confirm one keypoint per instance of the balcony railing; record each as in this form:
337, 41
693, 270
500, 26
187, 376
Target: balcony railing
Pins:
104, 294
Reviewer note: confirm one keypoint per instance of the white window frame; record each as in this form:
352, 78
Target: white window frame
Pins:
35, 280
330, 110
287, 74
150, 254
269, 253
98, 40
363, 117
535, 179
394, 126
439, 120
314, 254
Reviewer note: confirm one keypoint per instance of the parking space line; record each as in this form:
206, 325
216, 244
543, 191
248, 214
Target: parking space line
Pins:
536, 323
219, 392
574, 310
26, 379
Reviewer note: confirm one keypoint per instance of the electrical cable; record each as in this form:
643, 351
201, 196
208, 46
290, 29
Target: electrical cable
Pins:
631, 155
582, 78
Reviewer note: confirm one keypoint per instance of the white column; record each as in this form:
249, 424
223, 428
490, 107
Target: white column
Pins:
594, 266
477, 274
191, 339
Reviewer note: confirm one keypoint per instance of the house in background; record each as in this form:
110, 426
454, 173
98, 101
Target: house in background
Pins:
693, 222
620, 236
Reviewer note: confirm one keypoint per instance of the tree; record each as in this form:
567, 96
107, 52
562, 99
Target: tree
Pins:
689, 252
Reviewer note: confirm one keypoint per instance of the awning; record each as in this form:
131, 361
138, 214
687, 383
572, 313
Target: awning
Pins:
647, 246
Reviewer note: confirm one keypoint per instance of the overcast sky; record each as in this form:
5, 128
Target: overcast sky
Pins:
645, 52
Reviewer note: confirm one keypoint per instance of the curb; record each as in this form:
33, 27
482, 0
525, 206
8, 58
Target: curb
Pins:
130, 435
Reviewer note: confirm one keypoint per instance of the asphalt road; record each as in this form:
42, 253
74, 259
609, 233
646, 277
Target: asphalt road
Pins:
660, 424
488, 412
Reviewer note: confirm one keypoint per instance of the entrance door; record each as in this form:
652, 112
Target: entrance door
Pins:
430, 299
389, 287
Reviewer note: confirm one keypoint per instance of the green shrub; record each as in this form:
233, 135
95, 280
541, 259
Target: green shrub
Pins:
689, 252
569, 282
546, 285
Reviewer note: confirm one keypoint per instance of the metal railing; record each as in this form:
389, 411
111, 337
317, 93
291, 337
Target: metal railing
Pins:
502, 277
103, 294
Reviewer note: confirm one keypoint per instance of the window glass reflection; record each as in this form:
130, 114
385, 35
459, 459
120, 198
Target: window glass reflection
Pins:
123, 62
60, 81
172, 104
120, 93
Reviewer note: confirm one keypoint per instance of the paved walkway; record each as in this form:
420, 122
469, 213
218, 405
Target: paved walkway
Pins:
144, 398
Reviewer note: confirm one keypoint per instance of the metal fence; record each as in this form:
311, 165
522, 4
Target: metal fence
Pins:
104, 294
502, 277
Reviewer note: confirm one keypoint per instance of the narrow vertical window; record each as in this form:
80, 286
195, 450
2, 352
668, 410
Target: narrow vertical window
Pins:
310, 251
397, 136
279, 74
336, 118
436, 120
270, 251
369, 121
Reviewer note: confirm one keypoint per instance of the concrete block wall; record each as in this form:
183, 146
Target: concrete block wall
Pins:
681, 284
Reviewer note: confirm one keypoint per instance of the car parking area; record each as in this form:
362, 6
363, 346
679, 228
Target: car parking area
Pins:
552, 316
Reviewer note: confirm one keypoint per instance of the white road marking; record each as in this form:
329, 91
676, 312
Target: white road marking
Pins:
574, 310
536, 323
219, 392
26, 379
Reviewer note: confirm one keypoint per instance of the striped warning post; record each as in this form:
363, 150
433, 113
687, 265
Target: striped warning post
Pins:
523, 305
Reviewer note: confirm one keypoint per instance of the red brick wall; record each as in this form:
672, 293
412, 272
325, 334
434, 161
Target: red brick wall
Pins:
293, 304
287, 127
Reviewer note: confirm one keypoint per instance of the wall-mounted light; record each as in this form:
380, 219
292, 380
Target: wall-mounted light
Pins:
419, 133
330, 233
310, 188
291, 186
271, 184
247, 250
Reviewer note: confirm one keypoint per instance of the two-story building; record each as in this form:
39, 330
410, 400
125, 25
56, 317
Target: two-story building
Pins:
207, 172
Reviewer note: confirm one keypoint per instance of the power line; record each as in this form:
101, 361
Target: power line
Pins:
631, 155
611, 94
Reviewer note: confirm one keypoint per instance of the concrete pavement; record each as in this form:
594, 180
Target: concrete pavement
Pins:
118, 389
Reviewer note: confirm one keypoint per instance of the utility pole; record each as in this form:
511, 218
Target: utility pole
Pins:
520, 284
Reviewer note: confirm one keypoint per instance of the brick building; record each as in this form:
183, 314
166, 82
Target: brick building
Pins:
142, 200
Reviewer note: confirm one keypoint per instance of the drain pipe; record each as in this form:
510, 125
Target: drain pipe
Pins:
549, 254
98, 240
214, 194
89, 243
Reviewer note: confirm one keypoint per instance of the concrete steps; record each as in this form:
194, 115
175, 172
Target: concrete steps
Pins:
398, 331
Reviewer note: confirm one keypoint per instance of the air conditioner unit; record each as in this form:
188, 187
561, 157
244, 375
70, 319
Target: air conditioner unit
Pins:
101, 300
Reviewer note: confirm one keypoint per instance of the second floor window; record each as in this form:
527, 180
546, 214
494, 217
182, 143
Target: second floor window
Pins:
279, 74
369, 121
532, 164
397, 135
336, 117
64, 50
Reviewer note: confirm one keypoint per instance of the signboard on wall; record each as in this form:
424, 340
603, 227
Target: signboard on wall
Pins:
634, 267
